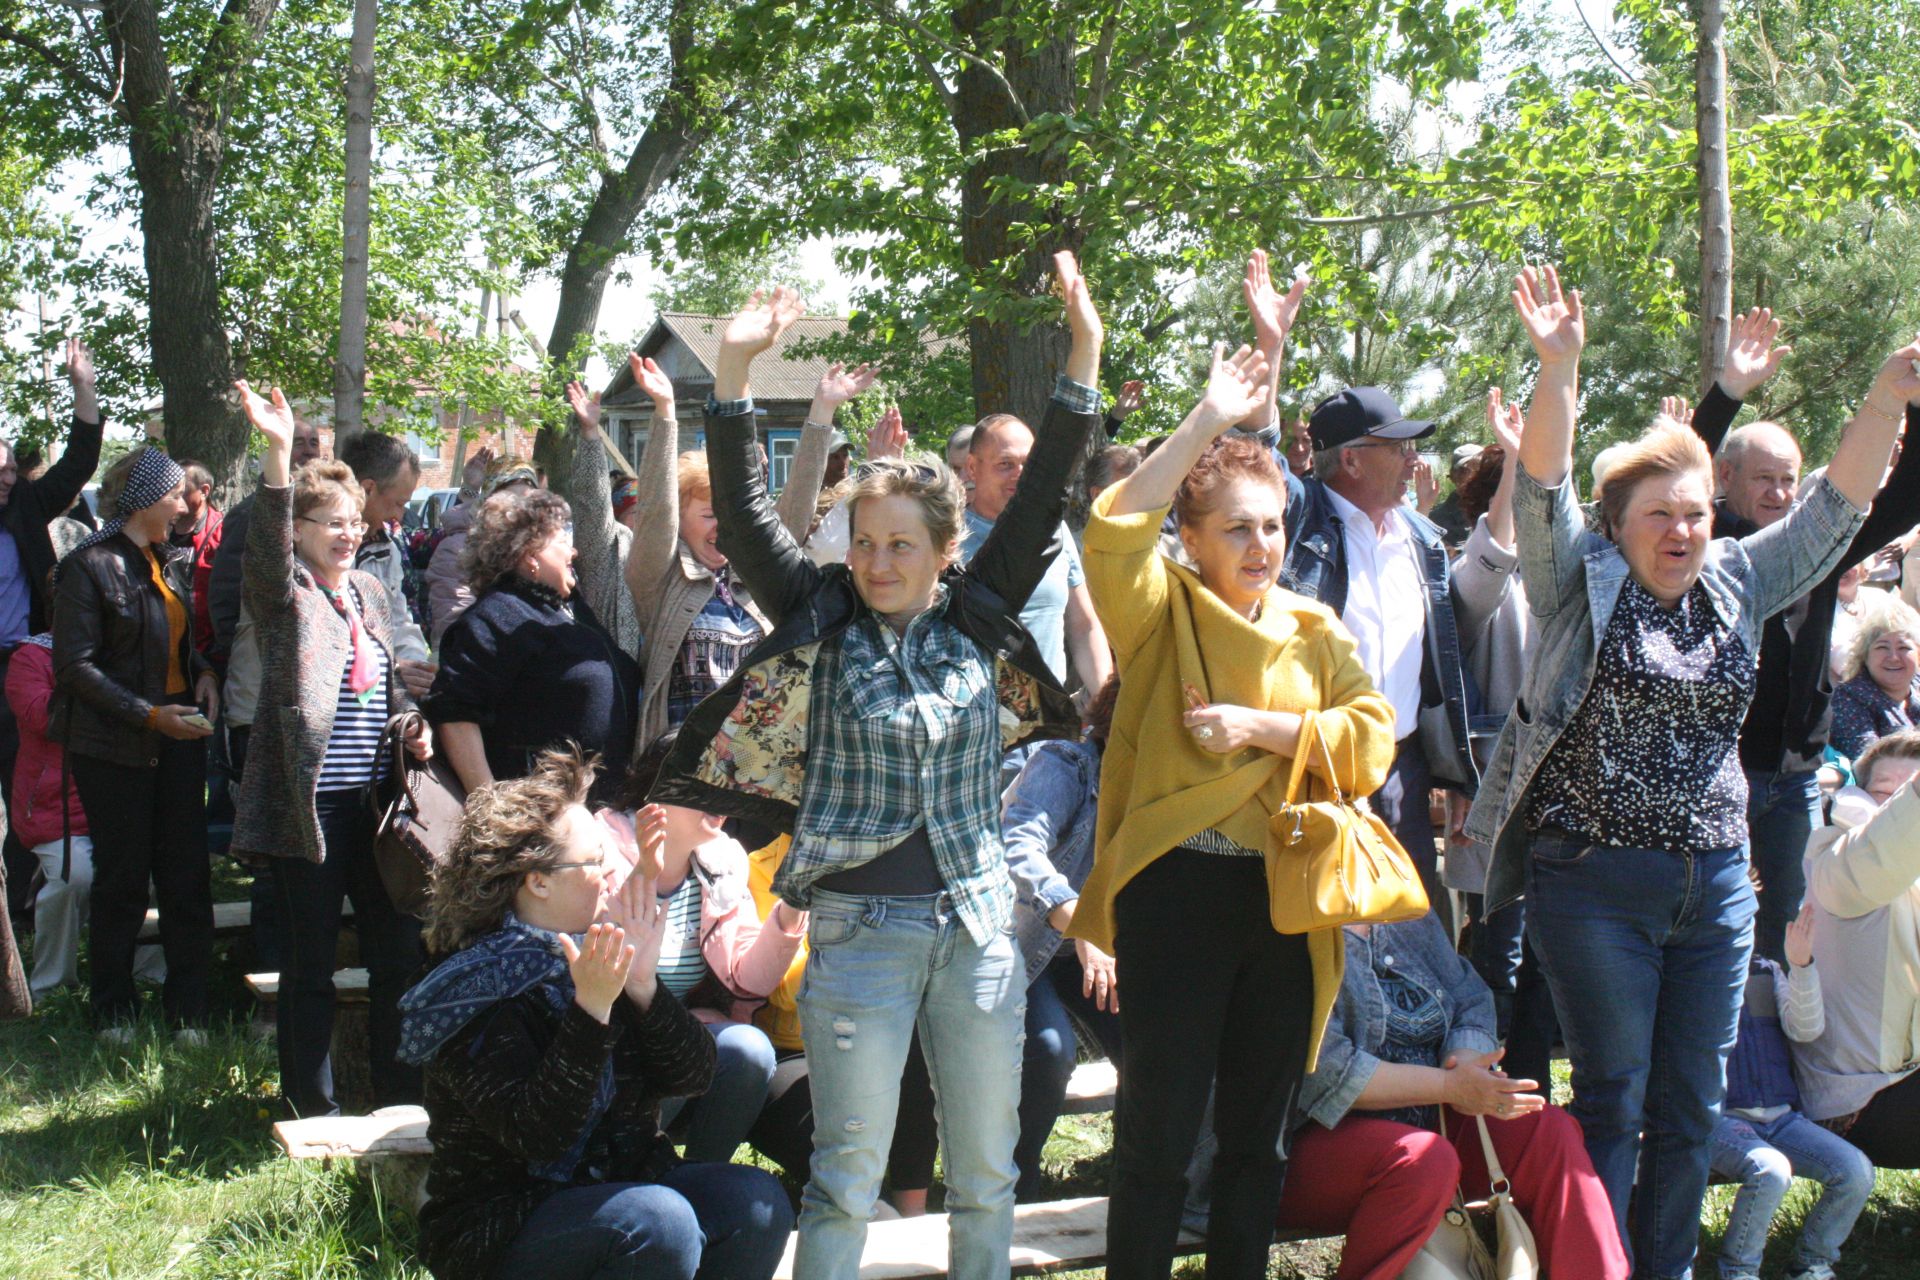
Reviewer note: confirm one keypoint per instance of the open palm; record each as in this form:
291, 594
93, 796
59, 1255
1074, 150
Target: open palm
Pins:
1273, 313
1752, 357
272, 418
650, 378
759, 324
1236, 387
1556, 324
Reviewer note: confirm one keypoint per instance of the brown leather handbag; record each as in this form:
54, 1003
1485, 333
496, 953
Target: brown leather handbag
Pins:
419, 820
1334, 862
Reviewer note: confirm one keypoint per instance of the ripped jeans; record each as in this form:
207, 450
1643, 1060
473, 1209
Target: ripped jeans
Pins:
876, 968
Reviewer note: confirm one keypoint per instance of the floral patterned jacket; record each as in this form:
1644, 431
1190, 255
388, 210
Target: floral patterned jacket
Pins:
743, 751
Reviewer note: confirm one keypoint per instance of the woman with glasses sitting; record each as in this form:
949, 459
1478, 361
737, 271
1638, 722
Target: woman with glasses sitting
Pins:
327, 688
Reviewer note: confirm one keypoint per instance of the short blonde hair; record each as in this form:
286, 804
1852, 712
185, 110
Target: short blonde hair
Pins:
691, 474
1668, 449
1892, 616
935, 487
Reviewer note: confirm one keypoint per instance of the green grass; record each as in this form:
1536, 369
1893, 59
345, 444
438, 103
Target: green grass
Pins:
153, 1161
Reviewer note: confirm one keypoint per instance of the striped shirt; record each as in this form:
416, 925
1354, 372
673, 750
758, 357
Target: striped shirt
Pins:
353, 752
682, 965
722, 633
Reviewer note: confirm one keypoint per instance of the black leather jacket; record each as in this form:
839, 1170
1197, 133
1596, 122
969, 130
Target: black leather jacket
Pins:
808, 603
110, 650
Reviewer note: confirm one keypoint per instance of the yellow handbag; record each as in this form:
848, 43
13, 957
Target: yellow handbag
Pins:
1334, 862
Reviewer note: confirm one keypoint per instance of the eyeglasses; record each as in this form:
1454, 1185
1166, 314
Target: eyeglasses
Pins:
337, 527
562, 866
1399, 446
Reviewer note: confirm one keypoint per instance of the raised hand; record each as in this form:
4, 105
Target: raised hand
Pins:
1132, 393
474, 473
649, 377
1426, 486
888, 437
1273, 314
1678, 410
1237, 388
1751, 356
1800, 938
272, 417
840, 384
599, 968
637, 910
1556, 324
1898, 379
759, 324
86, 404
1507, 422
1083, 318
586, 410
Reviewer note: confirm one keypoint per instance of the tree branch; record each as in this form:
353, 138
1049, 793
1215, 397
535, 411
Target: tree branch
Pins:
893, 17
1581, 9
65, 68
1400, 215
229, 51
1102, 63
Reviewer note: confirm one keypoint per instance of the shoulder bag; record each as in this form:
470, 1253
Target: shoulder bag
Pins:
1335, 862
417, 823
1456, 1250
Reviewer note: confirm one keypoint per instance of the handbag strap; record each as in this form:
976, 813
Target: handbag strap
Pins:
1302, 749
1496, 1176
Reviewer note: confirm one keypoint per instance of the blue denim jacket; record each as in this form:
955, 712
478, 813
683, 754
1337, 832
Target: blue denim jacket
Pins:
1046, 823
1419, 951
1317, 568
1573, 579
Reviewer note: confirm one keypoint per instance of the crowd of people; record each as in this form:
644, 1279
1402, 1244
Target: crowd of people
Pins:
843, 825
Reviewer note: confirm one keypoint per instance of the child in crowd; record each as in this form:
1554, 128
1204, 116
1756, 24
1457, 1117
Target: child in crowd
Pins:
1763, 1140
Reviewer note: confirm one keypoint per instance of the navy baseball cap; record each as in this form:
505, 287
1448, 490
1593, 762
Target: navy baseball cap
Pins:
1348, 415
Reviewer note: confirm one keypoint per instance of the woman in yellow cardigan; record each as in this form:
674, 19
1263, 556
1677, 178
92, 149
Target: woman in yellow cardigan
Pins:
1222, 674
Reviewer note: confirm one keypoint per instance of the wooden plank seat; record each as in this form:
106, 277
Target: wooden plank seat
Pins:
229, 920
349, 986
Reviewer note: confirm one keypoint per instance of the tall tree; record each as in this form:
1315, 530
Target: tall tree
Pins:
1716, 198
350, 359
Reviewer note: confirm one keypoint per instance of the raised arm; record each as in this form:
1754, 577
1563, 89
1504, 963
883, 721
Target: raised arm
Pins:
56, 490
1016, 555
1273, 314
594, 539
1236, 386
837, 385
1860, 463
267, 567
1752, 358
1557, 327
758, 546
658, 527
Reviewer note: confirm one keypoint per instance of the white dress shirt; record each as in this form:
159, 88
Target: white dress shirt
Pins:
1386, 607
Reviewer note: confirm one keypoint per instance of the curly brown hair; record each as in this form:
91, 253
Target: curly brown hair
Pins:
1230, 458
507, 832
1475, 490
508, 525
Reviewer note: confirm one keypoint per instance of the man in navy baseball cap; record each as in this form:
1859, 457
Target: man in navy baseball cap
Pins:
1346, 416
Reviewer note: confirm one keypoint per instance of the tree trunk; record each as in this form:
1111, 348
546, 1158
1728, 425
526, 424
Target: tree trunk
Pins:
1013, 367
1716, 201
350, 361
177, 141
673, 134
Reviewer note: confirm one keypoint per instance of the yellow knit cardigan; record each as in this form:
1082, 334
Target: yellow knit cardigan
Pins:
1159, 787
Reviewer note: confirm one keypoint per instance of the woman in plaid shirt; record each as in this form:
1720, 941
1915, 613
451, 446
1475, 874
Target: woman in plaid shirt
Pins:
871, 724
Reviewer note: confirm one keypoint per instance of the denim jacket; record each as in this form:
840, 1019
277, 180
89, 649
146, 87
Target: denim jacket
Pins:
1317, 568
1419, 951
1573, 579
1046, 823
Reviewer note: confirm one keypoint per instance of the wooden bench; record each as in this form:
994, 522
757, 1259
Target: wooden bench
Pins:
349, 986
230, 919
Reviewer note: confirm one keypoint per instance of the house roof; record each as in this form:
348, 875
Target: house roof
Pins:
781, 374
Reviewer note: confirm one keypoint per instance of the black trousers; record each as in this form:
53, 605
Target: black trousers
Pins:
308, 895
1210, 992
149, 824
1888, 1129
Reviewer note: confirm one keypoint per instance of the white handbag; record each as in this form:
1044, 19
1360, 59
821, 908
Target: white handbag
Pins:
1456, 1251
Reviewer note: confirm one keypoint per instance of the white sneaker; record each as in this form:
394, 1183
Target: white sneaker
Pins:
116, 1034
190, 1038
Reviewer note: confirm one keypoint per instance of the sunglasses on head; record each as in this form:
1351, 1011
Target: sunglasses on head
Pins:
922, 472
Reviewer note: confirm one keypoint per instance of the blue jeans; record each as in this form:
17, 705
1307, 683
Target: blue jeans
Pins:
1055, 1003
714, 1124
876, 968
714, 1221
1646, 952
1782, 811
1765, 1158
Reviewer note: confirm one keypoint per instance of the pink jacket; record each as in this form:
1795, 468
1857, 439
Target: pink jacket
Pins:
36, 773
749, 957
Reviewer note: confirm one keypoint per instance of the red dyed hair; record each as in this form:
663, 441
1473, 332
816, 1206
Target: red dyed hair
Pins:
1230, 458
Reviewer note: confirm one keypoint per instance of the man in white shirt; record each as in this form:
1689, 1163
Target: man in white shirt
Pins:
1357, 548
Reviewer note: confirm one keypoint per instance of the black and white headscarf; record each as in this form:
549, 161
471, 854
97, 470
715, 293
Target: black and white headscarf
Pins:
153, 477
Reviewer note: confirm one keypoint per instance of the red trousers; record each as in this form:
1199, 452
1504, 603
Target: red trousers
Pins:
1385, 1185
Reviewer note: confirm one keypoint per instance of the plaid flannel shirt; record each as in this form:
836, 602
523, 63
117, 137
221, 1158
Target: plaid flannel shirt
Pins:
907, 735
